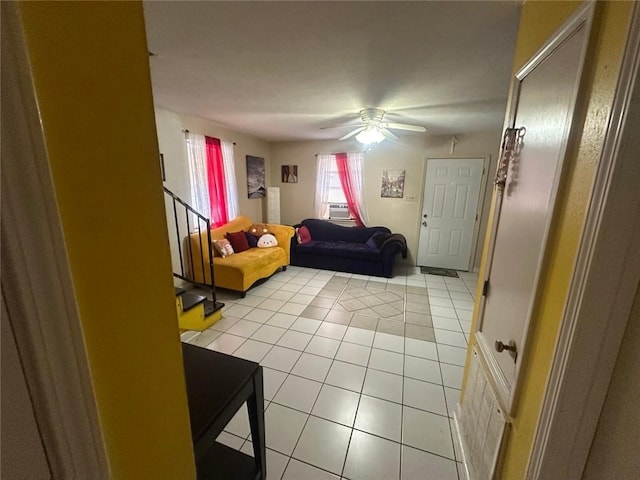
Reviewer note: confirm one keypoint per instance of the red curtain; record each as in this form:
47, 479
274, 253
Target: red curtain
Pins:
347, 187
215, 175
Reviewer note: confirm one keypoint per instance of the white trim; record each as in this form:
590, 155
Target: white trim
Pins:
36, 278
582, 19
458, 438
484, 183
583, 15
597, 311
496, 377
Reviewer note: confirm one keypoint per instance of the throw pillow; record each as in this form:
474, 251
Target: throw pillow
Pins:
304, 235
223, 247
377, 239
238, 241
267, 241
251, 240
259, 229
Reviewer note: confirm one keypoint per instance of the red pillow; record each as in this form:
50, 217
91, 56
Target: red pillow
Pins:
304, 235
238, 241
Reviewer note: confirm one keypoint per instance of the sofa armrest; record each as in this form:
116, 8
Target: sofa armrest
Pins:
283, 234
391, 250
394, 244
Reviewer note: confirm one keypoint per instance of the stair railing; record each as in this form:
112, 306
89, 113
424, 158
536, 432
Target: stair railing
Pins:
200, 222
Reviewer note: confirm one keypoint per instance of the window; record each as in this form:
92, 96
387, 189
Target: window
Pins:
339, 187
214, 193
336, 195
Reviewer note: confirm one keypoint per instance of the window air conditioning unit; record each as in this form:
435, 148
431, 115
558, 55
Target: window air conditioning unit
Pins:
339, 210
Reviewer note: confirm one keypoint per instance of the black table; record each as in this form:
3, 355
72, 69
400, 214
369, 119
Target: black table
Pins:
217, 386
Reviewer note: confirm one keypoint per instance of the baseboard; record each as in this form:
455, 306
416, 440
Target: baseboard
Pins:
457, 438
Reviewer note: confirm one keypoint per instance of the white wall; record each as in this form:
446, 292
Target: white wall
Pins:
170, 127
171, 141
23, 453
296, 199
409, 153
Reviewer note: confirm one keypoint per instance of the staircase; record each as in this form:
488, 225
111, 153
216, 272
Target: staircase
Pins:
197, 309
196, 312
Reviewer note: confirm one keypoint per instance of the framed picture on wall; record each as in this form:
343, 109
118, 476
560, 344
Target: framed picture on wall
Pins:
392, 184
255, 177
289, 173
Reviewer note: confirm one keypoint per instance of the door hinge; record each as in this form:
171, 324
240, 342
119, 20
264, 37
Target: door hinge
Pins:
485, 288
476, 217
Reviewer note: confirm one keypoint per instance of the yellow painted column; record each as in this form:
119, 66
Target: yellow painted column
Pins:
92, 83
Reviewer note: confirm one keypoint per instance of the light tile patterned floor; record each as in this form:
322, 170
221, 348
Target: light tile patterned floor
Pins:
361, 374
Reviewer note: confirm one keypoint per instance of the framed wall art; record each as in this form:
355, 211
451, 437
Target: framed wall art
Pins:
392, 184
255, 177
289, 173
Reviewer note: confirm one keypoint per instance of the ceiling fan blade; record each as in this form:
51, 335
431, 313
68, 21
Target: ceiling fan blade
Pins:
388, 134
346, 125
405, 126
352, 133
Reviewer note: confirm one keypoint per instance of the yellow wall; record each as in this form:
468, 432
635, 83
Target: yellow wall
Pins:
539, 20
92, 83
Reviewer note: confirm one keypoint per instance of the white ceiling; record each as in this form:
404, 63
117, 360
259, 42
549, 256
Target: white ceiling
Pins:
282, 70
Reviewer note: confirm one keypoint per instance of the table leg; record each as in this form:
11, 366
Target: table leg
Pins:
255, 406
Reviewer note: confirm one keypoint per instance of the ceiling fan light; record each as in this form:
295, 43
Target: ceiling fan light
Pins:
370, 135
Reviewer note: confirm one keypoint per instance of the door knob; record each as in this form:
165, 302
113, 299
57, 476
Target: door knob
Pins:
424, 223
509, 347
424, 216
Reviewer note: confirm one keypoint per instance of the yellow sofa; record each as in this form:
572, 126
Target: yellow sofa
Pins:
240, 270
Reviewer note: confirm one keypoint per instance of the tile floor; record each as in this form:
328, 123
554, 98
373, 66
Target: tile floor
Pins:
361, 374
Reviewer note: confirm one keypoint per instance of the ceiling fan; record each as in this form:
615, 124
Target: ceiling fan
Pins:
374, 130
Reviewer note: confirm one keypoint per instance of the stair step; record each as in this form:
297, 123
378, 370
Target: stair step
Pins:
190, 300
188, 335
211, 307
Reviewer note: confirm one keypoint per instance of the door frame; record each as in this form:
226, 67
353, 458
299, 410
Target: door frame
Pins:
486, 160
583, 18
37, 285
597, 313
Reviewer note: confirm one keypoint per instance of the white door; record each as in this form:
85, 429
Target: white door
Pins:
544, 107
449, 208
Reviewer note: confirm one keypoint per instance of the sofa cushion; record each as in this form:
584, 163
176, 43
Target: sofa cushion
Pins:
240, 271
267, 241
324, 230
376, 240
223, 247
238, 241
252, 240
259, 229
304, 235
340, 249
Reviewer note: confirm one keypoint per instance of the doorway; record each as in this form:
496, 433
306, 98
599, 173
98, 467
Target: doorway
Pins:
450, 212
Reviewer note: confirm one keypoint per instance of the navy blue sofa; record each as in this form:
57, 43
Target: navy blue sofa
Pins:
345, 249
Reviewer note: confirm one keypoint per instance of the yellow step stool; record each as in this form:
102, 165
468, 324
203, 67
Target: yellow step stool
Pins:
196, 312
